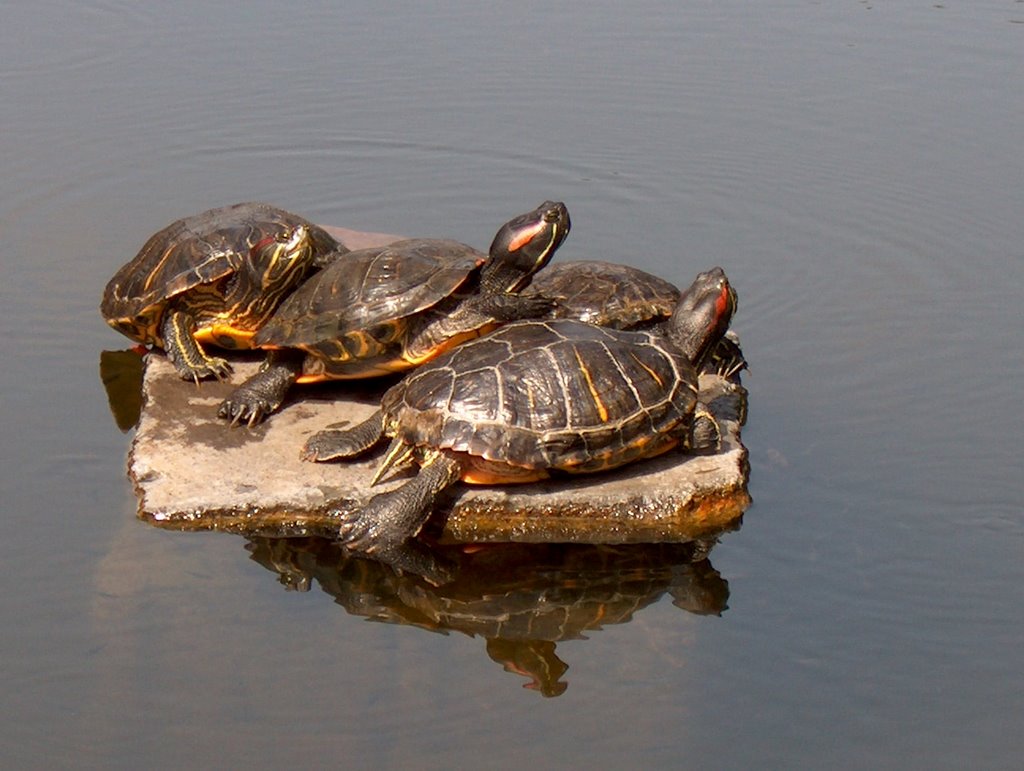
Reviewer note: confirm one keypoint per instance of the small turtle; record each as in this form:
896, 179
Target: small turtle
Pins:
608, 294
391, 308
611, 294
531, 398
214, 277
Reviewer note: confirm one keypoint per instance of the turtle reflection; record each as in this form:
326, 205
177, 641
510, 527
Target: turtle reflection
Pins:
521, 598
121, 375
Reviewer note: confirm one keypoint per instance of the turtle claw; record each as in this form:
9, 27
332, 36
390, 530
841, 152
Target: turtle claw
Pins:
319, 446
220, 368
259, 396
359, 534
242, 407
408, 555
537, 306
377, 527
216, 368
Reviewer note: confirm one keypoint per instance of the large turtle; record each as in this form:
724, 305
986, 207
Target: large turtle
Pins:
214, 277
391, 308
612, 294
529, 399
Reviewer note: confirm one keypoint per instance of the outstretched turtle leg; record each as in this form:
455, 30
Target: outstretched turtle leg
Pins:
392, 518
334, 443
185, 353
507, 306
262, 393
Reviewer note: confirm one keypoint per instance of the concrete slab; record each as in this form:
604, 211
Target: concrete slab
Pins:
193, 472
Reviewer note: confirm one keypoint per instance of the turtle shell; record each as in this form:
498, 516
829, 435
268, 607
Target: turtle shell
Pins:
620, 296
355, 317
195, 251
606, 293
541, 395
370, 287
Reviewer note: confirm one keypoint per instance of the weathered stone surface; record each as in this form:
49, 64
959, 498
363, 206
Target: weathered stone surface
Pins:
192, 471
361, 239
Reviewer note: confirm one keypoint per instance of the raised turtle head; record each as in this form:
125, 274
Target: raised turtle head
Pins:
702, 315
282, 259
277, 264
525, 244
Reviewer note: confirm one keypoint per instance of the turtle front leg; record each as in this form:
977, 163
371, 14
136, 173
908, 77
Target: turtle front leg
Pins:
344, 443
187, 356
507, 306
262, 393
392, 518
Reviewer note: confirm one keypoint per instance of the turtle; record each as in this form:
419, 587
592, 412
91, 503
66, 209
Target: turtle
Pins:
528, 400
608, 294
391, 308
213, 277
612, 294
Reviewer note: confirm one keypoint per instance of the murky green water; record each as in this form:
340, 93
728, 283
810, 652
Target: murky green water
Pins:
856, 168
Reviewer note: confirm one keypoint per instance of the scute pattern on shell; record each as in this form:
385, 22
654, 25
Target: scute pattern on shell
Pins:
606, 293
368, 288
191, 252
557, 394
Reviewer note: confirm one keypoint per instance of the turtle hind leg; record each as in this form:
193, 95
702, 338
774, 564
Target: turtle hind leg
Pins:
343, 443
705, 433
263, 393
390, 519
185, 353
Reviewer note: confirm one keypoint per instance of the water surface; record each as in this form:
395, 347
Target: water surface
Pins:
856, 169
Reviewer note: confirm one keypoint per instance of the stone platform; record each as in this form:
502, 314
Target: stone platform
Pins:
192, 471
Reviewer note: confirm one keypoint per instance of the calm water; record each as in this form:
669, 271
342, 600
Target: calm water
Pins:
857, 169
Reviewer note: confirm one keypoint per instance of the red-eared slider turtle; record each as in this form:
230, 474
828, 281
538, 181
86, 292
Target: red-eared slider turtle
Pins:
611, 294
388, 309
608, 294
531, 398
214, 277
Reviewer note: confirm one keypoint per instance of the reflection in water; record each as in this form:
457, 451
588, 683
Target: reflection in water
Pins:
121, 374
521, 598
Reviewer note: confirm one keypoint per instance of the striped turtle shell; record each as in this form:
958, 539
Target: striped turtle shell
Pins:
364, 299
608, 294
200, 254
541, 395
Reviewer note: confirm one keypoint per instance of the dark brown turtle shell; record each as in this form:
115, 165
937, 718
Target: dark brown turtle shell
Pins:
611, 294
608, 294
197, 252
370, 288
540, 395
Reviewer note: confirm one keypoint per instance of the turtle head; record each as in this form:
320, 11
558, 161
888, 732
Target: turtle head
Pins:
282, 259
525, 244
702, 315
